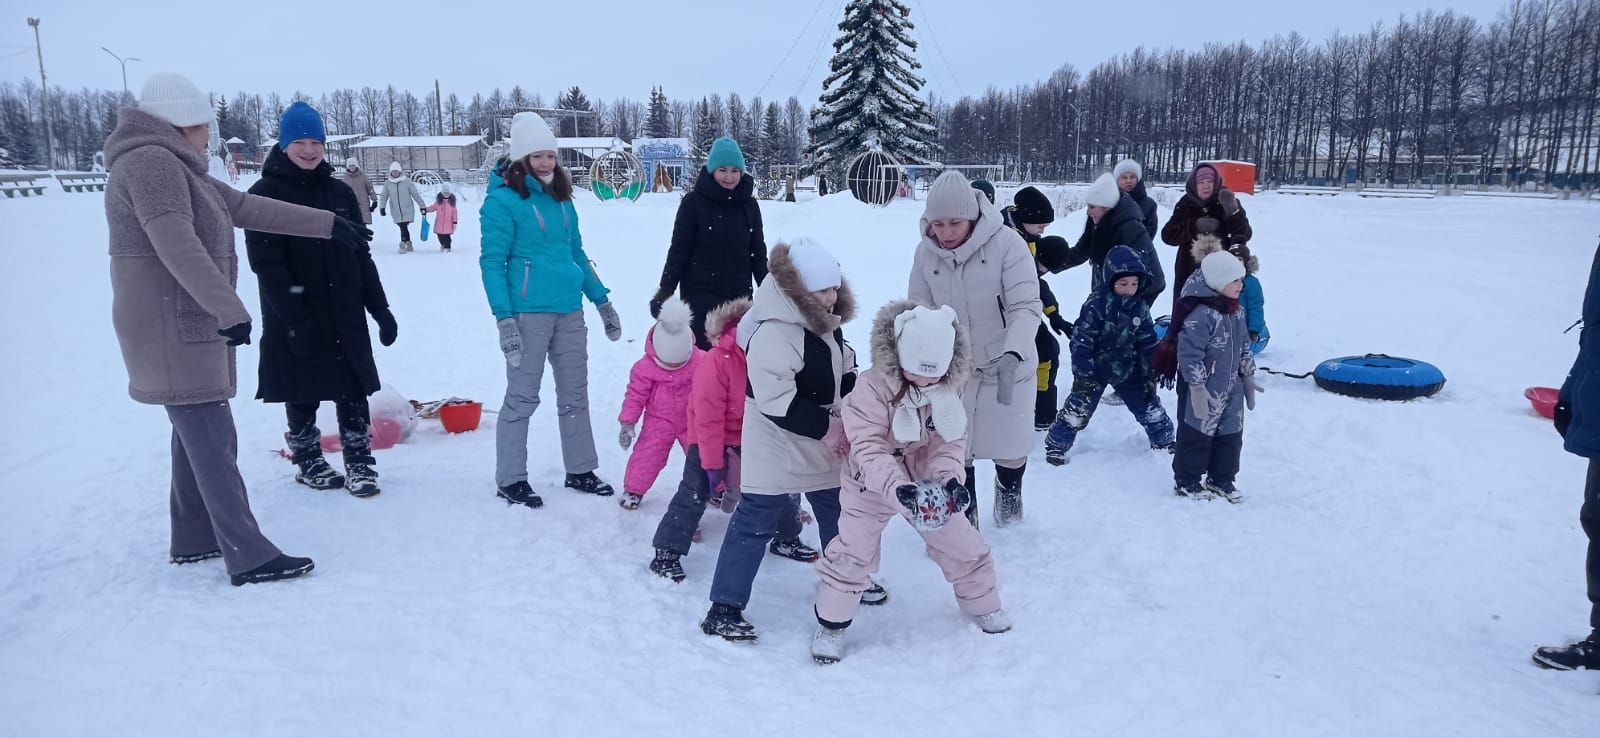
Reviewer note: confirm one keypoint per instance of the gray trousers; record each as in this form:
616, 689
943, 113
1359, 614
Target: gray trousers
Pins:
563, 338
210, 510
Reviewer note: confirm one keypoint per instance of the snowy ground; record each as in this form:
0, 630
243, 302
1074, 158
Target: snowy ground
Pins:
1389, 574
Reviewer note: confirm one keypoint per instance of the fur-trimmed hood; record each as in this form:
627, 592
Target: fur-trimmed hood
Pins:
726, 316
783, 296
886, 352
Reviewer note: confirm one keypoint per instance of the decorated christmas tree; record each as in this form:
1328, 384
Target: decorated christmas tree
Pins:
870, 98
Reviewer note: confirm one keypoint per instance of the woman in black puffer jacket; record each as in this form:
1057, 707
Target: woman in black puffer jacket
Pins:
718, 251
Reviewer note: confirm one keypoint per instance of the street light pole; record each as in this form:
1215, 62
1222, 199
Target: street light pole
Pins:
1077, 133
44, 99
124, 63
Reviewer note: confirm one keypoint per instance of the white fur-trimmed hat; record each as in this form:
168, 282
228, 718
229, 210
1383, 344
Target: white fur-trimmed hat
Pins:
1127, 165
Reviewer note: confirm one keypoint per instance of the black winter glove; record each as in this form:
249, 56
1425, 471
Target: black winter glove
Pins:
387, 329
1563, 418
302, 340
236, 334
662, 295
384, 211
350, 233
1060, 325
372, 205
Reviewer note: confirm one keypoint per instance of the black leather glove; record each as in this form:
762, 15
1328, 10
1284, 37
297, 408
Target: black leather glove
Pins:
302, 340
662, 295
387, 329
1060, 325
236, 334
350, 233
1563, 418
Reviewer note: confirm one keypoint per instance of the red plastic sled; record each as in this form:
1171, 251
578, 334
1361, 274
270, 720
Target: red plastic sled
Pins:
1543, 399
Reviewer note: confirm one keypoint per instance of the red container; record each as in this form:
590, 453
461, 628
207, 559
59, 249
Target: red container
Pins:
460, 417
1543, 399
1239, 176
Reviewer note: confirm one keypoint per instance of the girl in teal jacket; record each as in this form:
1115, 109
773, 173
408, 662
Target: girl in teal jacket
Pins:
536, 274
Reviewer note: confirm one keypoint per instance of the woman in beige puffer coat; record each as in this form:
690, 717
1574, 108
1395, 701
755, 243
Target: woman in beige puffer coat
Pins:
968, 259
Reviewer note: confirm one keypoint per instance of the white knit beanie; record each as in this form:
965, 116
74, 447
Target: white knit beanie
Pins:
351, 162
1127, 165
926, 339
1103, 193
951, 196
174, 99
1220, 268
394, 166
817, 268
671, 337
529, 133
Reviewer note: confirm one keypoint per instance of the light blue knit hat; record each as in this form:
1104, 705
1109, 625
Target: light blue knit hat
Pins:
725, 153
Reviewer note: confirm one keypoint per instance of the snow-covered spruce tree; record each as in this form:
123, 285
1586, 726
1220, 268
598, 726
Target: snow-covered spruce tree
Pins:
871, 92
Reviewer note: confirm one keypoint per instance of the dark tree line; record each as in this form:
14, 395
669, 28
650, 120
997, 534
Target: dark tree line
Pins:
1423, 99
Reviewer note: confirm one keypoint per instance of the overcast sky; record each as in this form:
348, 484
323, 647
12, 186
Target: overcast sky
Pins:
614, 48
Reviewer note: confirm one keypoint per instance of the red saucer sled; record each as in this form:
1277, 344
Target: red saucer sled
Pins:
1543, 399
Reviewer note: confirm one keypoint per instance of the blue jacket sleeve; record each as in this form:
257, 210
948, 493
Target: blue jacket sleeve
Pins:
592, 287
499, 231
1254, 304
1084, 335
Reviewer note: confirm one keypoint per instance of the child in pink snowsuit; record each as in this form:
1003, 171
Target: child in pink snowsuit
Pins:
907, 429
444, 206
658, 389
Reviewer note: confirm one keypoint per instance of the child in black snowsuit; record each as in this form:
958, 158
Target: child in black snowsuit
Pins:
1111, 347
1029, 214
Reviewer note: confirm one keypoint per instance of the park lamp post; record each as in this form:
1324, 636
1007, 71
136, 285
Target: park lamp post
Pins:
1077, 133
124, 63
44, 98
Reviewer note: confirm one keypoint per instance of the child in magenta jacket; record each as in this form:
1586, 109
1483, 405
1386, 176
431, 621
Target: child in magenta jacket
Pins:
444, 224
658, 389
907, 429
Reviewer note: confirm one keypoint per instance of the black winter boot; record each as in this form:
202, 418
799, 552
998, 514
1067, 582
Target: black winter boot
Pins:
728, 622
668, 564
793, 548
317, 473
362, 479
283, 567
972, 510
519, 493
588, 483
1584, 654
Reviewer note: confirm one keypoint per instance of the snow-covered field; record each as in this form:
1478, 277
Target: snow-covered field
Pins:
1389, 574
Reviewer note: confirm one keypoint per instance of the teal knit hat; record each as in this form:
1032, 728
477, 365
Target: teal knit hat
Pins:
725, 153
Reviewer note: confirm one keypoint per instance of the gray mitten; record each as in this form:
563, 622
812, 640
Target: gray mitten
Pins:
510, 341
1005, 373
609, 319
1199, 402
1230, 204
625, 436
1250, 390
1207, 224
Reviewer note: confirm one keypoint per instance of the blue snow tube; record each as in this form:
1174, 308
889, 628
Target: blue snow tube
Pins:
1379, 377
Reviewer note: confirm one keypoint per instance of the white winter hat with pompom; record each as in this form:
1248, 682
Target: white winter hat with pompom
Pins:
671, 337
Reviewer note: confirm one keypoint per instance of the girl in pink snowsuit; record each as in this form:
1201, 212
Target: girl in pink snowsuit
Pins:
445, 223
658, 389
907, 430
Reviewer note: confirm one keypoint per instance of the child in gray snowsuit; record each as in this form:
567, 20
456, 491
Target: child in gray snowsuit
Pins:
1111, 344
1215, 373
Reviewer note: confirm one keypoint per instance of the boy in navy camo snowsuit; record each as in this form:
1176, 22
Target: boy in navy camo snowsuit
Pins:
1111, 344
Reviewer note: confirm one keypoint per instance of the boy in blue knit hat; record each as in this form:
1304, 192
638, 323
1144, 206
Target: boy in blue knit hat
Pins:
300, 120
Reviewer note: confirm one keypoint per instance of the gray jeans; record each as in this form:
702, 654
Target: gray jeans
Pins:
210, 510
563, 338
